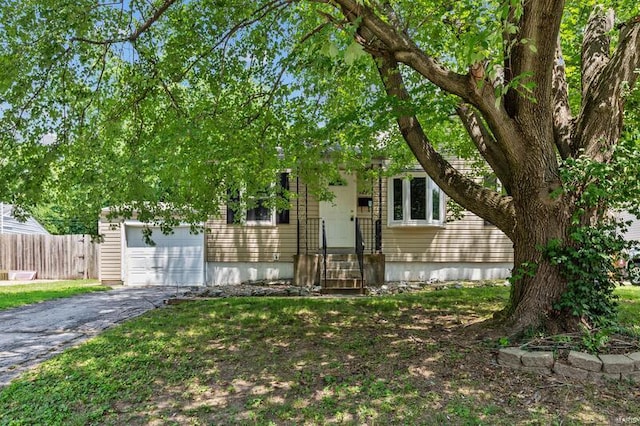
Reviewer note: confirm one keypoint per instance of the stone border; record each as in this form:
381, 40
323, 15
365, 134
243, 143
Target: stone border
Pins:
285, 287
579, 365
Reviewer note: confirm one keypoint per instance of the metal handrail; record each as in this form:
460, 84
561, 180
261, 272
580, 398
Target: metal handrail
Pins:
310, 235
360, 250
324, 253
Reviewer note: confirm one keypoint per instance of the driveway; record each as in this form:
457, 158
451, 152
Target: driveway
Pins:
31, 334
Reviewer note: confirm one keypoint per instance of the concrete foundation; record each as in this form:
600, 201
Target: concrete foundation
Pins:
374, 268
306, 269
225, 273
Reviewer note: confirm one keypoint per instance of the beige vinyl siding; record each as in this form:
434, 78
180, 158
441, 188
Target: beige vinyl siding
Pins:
242, 243
465, 240
237, 243
110, 251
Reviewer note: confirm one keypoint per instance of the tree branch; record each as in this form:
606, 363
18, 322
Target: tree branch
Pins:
509, 38
147, 24
599, 125
134, 35
256, 16
486, 203
595, 46
486, 144
379, 38
404, 49
563, 123
539, 26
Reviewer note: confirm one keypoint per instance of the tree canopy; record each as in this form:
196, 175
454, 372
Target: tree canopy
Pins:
153, 105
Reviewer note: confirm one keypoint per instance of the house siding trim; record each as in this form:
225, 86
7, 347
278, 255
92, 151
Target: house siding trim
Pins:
446, 271
229, 273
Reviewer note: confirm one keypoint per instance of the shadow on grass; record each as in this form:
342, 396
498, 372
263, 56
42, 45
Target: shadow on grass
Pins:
408, 359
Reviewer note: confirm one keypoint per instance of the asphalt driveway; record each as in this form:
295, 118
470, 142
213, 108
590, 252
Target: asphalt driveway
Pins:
31, 334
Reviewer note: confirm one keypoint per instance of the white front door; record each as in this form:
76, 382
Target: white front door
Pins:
339, 214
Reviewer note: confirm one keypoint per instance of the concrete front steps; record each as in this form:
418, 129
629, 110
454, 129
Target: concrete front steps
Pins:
343, 275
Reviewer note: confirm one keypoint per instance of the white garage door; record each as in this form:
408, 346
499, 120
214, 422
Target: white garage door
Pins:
176, 259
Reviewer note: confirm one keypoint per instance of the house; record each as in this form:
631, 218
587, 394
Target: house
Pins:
11, 225
633, 231
399, 223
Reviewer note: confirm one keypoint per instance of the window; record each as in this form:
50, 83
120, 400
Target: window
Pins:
261, 214
415, 201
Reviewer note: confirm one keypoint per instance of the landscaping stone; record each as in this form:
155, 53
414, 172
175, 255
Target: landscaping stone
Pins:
569, 371
617, 364
537, 359
585, 361
510, 357
603, 377
544, 371
257, 289
636, 359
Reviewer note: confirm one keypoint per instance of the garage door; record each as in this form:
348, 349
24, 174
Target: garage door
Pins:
176, 259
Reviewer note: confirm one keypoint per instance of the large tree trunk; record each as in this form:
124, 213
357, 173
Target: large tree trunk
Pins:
543, 214
536, 283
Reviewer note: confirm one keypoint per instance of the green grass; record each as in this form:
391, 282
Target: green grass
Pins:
422, 358
12, 296
629, 312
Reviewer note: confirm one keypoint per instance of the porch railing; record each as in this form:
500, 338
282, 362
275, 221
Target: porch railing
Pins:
310, 234
324, 253
360, 249
366, 227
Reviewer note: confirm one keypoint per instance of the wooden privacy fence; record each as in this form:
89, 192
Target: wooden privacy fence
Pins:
51, 256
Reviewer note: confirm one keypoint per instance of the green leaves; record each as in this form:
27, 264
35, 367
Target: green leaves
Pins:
330, 49
353, 53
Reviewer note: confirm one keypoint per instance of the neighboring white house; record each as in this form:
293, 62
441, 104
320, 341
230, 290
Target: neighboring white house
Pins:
11, 225
633, 233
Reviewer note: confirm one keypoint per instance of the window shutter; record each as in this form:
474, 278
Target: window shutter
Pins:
283, 215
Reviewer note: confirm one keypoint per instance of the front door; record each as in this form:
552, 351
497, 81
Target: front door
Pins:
339, 214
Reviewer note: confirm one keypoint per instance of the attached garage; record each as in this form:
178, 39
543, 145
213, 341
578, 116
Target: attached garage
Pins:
174, 259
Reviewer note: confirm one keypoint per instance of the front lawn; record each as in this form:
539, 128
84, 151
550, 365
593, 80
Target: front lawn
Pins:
630, 306
24, 294
422, 358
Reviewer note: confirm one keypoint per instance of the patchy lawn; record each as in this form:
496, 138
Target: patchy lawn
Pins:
422, 358
630, 307
24, 294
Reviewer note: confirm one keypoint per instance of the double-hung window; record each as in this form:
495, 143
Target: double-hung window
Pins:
262, 211
415, 201
261, 214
